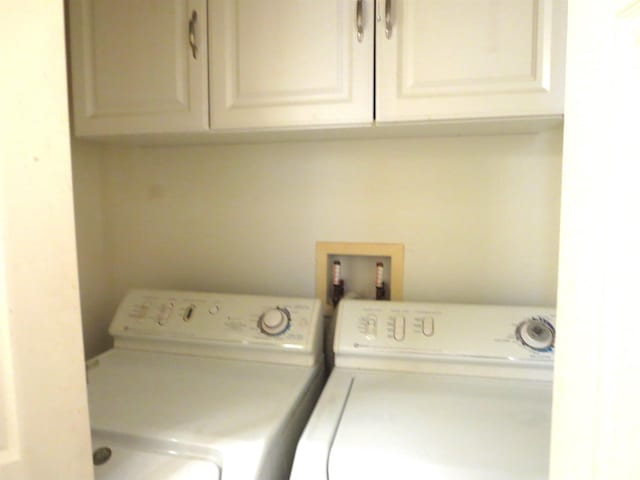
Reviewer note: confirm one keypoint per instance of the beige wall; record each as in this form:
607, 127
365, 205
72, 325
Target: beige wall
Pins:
92, 272
478, 215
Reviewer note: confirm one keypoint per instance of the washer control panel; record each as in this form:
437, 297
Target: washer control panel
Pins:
240, 321
483, 332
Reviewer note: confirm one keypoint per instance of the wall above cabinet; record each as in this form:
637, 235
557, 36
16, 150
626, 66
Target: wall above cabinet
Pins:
210, 70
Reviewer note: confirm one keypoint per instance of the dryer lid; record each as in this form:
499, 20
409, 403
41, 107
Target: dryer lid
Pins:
429, 426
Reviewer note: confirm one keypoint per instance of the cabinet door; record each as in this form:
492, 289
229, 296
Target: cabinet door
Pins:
290, 63
454, 59
134, 69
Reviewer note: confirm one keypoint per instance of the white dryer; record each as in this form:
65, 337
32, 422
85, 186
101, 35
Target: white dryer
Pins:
433, 391
204, 386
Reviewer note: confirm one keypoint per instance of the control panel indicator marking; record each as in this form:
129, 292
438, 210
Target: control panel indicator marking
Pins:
188, 313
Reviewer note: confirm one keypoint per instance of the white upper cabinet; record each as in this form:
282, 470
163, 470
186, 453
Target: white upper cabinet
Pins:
178, 66
469, 59
290, 63
139, 66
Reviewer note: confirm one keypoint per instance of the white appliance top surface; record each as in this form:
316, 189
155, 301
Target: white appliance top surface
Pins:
443, 427
219, 407
133, 461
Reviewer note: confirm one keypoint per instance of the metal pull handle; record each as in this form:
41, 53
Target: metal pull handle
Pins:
192, 33
359, 22
388, 26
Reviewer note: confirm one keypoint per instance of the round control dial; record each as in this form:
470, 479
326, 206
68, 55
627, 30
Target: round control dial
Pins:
536, 333
275, 321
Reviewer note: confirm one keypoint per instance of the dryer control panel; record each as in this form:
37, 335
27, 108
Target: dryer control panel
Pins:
227, 325
416, 332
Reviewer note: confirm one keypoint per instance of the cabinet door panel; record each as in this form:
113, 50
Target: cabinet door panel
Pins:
471, 58
290, 63
133, 66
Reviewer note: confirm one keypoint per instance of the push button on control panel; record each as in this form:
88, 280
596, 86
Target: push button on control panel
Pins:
164, 313
427, 326
371, 326
398, 328
368, 326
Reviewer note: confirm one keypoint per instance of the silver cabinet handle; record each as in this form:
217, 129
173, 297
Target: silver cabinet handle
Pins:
192, 33
359, 23
388, 26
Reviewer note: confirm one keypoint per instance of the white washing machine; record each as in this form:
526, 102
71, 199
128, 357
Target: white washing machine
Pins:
433, 391
204, 386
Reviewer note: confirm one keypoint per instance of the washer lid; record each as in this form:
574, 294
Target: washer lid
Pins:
428, 426
117, 459
213, 403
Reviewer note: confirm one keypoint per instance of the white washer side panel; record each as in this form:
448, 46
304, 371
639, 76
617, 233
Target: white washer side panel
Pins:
429, 426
